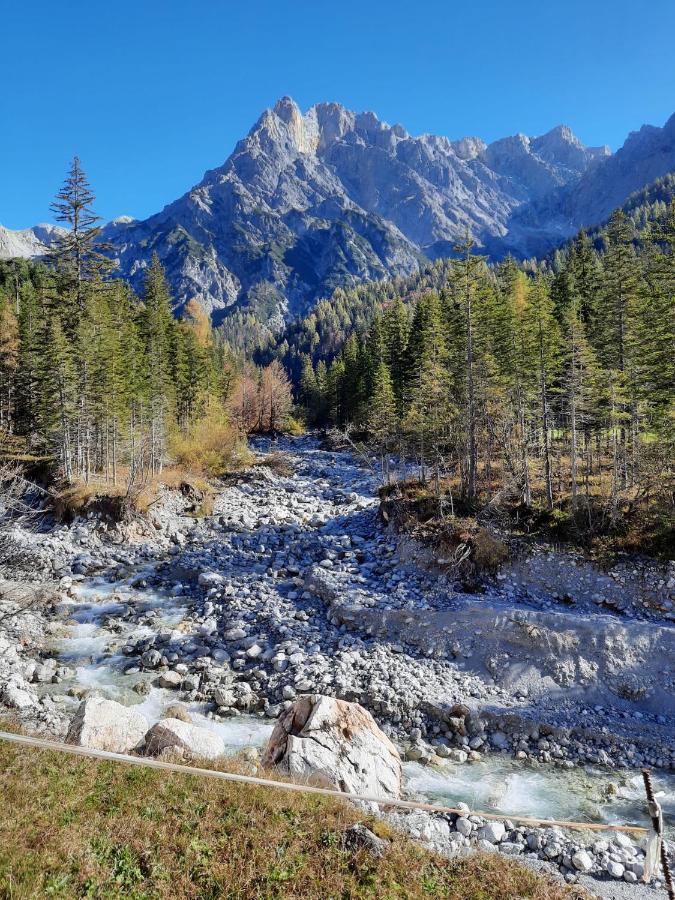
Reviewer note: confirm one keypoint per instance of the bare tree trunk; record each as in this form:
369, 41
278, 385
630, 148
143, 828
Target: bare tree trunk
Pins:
573, 446
615, 450
527, 490
546, 443
473, 453
114, 450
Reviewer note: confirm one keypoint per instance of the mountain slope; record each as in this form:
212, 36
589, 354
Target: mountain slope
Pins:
322, 333
307, 203
28, 243
647, 155
310, 202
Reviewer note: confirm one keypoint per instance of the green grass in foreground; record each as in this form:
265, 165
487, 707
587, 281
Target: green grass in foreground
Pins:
72, 827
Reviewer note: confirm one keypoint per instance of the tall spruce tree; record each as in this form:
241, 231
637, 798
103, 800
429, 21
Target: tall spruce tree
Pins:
77, 251
466, 276
156, 327
543, 343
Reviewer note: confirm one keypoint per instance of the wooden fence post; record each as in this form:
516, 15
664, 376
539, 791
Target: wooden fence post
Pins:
657, 822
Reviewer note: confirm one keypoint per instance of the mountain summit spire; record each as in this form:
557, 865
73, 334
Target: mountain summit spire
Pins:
309, 201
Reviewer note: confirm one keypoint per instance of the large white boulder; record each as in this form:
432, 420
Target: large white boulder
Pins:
493, 832
175, 736
105, 725
582, 861
333, 743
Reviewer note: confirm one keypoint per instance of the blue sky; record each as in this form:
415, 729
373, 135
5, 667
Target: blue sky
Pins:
151, 94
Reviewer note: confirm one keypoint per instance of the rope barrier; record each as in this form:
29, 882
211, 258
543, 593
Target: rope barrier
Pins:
42, 744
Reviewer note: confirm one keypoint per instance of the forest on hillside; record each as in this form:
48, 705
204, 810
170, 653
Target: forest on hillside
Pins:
548, 384
544, 383
106, 386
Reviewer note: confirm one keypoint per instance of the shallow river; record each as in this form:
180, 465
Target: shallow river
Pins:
496, 783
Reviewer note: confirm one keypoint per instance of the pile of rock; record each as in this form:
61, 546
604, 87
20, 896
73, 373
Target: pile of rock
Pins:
616, 857
102, 724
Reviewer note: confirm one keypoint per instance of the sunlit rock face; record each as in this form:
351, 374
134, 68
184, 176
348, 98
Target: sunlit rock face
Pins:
308, 202
28, 243
329, 742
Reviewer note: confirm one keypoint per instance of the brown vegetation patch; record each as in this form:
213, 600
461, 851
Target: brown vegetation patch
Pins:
279, 463
460, 543
210, 446
81, 498
117, 503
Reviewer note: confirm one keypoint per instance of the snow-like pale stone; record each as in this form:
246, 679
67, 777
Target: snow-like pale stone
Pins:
29, 242
492, 832
210, 579
175, 735
328, 741
464, 826
615, 869
170, 679
582, 861
106, 725
17, 695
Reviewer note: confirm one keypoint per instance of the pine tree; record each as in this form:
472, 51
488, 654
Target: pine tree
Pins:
395, 328
587, 274
76, 251
543, 342
621, 279
32, 353
335, 391
373, 354
513, 364
9, 362
466, 274
382, 420
156, 326
323, 393
426, 342
58, 395
429, 416
308, 391
353, 381
580, 385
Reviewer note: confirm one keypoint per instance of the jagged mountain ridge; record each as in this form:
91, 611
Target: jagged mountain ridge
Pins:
29, 242
647, 155
309, 202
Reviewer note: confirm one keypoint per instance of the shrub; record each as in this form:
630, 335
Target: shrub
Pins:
488, 552
211, 445
293, 426
277, 462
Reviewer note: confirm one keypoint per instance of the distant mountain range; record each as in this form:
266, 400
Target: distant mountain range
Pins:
307, 203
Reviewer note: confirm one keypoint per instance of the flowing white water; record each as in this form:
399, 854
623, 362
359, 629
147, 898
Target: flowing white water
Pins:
100, 625
499, 784
89, 647
495, 783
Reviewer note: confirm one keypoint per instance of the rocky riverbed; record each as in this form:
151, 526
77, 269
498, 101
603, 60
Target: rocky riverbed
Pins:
556, 671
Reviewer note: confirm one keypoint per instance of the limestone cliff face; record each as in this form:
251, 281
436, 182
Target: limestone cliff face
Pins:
646, 155
29, 242
309, 202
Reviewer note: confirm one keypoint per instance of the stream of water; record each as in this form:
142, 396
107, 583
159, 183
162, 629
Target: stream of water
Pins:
496, 783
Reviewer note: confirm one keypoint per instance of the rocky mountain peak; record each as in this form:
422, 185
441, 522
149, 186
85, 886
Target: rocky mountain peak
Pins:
309, 201
28, 243
468, 148
560, 146
287, 109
